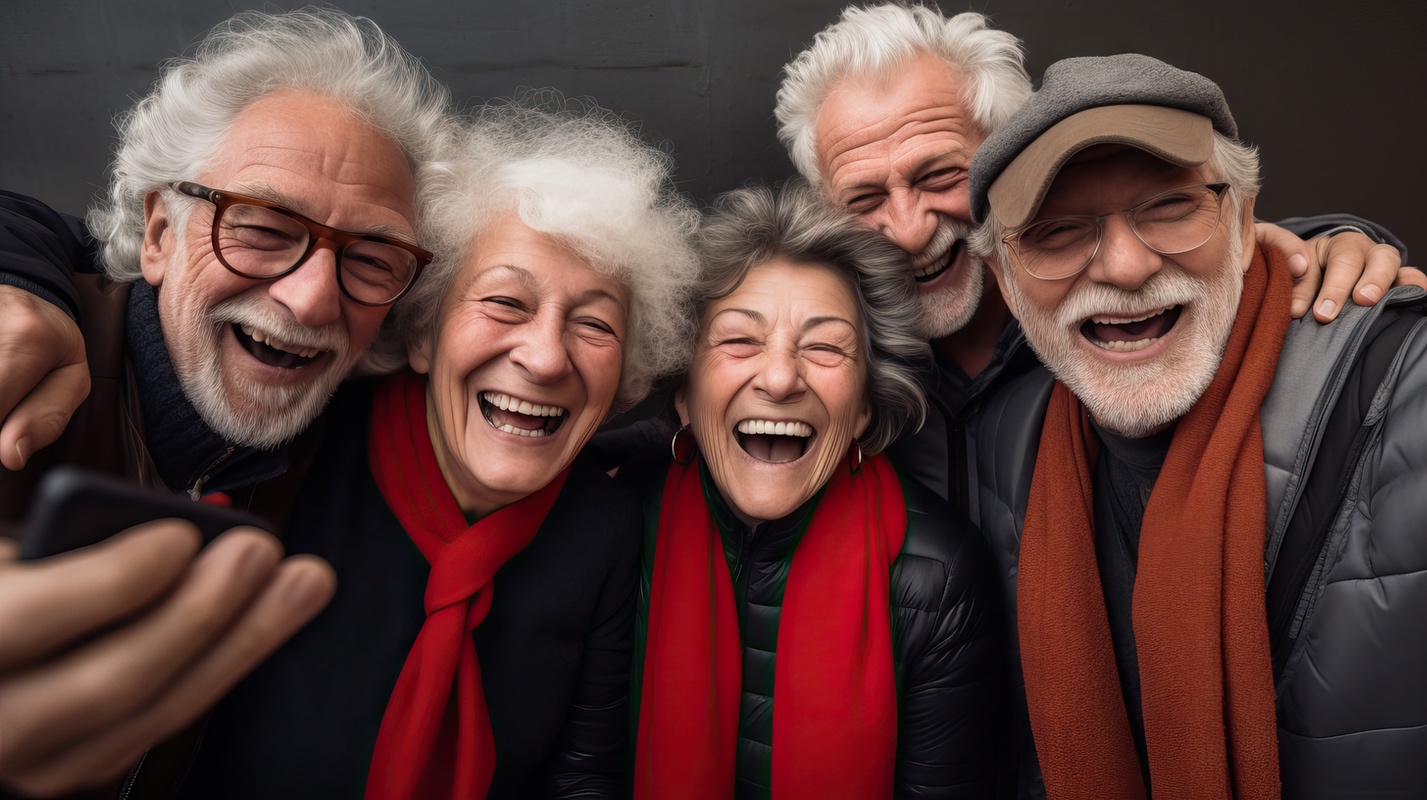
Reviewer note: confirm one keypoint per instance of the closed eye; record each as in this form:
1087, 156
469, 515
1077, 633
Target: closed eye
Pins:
505, 309
940, 179
827, 355
864, 203
596, 325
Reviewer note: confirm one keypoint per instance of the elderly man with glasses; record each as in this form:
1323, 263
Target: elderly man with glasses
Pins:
260, 221
1210, 516
884, 111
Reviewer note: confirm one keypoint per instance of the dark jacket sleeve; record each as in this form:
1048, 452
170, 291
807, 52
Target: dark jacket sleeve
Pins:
952, 674
591, 756
40, 248
1309, 227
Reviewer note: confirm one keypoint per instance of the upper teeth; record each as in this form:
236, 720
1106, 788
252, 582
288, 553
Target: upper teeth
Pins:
259, 335
505, 402
931, 268
1105, 320
767, 426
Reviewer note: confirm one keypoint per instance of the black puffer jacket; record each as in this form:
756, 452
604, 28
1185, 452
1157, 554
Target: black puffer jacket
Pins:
944, 623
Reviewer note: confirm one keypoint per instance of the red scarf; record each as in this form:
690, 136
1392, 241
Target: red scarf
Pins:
1201, 632
435, 739
834, 693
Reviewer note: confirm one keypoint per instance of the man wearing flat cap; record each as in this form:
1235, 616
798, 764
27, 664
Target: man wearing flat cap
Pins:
1212, 517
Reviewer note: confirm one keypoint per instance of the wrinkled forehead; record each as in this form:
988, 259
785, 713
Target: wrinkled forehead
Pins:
784, 290
881, 114
319, 157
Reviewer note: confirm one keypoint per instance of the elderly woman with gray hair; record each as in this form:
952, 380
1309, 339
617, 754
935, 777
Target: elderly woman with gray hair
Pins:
816, 625
479, 643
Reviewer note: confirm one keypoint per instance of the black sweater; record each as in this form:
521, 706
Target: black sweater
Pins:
554, 651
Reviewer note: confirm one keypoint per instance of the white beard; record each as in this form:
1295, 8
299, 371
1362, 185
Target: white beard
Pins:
1135, 400
948, 309
248, 413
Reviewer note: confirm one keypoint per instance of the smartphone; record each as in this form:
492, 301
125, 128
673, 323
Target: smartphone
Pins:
75, 508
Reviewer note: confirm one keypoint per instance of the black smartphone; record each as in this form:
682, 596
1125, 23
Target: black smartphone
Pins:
74, 508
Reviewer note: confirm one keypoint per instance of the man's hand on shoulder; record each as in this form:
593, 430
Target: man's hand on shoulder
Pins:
43, 374
109, 650
1353, 263
1327, 270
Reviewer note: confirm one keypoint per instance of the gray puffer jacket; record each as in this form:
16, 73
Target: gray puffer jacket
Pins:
1346, 557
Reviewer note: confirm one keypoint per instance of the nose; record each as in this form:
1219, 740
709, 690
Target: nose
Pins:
780, 378
909, 223
1123, 260
542, 353
311, 292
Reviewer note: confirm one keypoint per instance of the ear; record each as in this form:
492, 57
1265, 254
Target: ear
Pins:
681, 405
1247, 235
864, 418
993, 265
160, 240
419, 355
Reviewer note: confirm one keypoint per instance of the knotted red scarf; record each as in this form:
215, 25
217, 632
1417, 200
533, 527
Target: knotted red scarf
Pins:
435, 739
1201, 632
834, 693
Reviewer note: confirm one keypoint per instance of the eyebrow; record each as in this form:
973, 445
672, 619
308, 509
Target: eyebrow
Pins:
808, 324
266, 192
747, 312
922, 167
527, 279
814, 322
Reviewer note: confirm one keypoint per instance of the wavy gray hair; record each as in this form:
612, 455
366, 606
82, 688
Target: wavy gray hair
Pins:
874, 40
750, 227
178, 128
581, 175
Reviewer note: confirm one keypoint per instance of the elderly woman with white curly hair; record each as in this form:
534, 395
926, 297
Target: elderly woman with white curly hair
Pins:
479, 643
817, 625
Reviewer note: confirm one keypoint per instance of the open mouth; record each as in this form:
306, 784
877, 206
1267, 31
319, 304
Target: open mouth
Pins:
521, 417
1129, 334
773, 442
273, 351
930, 271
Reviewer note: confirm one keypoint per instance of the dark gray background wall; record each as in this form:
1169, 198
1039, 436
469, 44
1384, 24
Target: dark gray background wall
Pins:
1333, 95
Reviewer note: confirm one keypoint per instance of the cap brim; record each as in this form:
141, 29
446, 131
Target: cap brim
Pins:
1175, 135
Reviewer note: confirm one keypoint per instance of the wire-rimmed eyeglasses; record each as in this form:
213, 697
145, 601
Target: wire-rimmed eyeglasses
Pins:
1169, 223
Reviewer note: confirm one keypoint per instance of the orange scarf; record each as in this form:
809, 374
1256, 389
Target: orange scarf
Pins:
435, 739
1201, 632
834, 692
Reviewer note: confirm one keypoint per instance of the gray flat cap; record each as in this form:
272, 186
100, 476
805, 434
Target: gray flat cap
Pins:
1126, 99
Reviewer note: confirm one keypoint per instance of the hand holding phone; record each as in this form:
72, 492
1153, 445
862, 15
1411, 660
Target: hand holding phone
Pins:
107, 650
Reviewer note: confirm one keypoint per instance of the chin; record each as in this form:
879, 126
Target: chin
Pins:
949, 306
253, 414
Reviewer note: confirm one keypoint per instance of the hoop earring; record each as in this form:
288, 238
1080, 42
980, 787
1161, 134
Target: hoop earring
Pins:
856, 459
688, 448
